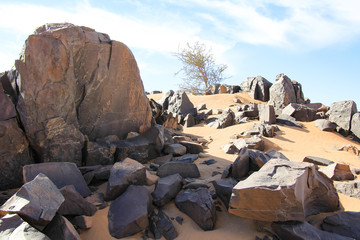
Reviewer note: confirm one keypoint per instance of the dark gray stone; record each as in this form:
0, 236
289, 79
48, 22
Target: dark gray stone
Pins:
128, 214
318, 161
163, 159
166, 189
122, 175
161, 225
343, 223
300, 112
199, 206
99, 155
223, 188
201, 106
288, 120
325, 125
226, 119
281, 93
230, 149
164, 101
189, 121
36, 201
341, 114
192, 147
60, 173
60, 229
188, 158
240, 167
259, 89
179, 104
338, 172
184, 169
7, 108
82, 222
176, 149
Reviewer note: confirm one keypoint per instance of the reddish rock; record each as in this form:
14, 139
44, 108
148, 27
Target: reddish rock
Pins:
338, 172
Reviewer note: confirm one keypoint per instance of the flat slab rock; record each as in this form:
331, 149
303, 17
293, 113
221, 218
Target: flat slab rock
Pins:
317, 161
199, 206
60, 173
184, 169
14, 227
27, 203
128, 214
283, 191
343, 223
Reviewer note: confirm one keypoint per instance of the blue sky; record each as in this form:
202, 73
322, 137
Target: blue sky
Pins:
314, 42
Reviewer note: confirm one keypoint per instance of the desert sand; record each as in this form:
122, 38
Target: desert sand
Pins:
294, 143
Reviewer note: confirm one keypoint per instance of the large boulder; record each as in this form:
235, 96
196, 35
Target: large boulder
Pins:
166, 189
128, 214
343, 223
60, 173
199, 206
259, 88
355, 125
300, 112
69, 79
123, 174
298, 92
341, 114
60, 228
14, 154
283, 191
14, 227
338, 172
36, 201
282, 93
325, 125
179, 104
223, 188
266, 113
226, 119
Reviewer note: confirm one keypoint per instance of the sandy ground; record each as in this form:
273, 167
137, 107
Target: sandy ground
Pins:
294, 143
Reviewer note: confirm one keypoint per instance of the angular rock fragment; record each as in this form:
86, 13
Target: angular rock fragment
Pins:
128, 214
60, 173
281, 93
284, 191
98, 154
325, 125
223, 188
266, 113
161, 225
317, 161
343, 223
60, 228
7, 108
187, 158
176, 149
300, 112
82, 222
288, 120
240, 167
226, 119
338, 172
199, 206
36, 201
341, 114
192, 147
184, 169
166, 189
123, 174
350, 188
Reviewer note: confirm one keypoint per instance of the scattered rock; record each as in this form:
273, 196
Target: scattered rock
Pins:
277, 155
184, 169
325, 125
224, 188
284, 191
176, 149
74, 203
199, 206
60, 228
124, 174
281, 93
351, 188
201, 106
230, 149
192, 147
29, 205
96, 199
236, 100
187, 158
259, 88
255, 142
60, 173
303, 231
338, 172
350, 148
240, 167
164, 101
209, 162
98, 154
14, 227
226, 119
300, 112
318, 161
180, 104
128, 214
343, 223
7, 108
82, 222
189, 120
288, 120
179, 220
163, 159
161, 225
341, 114
166, 189
266, 113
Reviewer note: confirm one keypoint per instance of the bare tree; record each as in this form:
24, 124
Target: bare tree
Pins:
199, 69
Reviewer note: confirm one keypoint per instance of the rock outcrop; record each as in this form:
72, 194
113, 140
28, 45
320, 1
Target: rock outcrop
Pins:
69, 80
284, 191
258, 88
341, 114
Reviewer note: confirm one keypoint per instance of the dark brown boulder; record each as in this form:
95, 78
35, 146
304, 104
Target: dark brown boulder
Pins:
69, 80
60, 229
14, 154
14, 227
37, 201
259, 88
284, 191
7, 108
60, 173
128, 214
300, 112
338, 172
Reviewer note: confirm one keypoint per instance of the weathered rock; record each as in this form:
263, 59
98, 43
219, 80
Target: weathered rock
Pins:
277, 155
128, 214
201, 106
355, 125
189, 121
265, 129
230, 149
223, 188
82, 222
13, 227
351, 188
98, 154
156, 108
283, 191
255, 142
161, 225
267, 113
187, 158
299, 93
74, 203
164, 101
7, 108
179, 103
236, 100
60, 173
163, 159
300, 112
251, 110
208, 112
184, 169
343, 223
238, 117
199, 206
325, 125
317, 161
192, 147
37, 201
288, 120
14, 154
338, 172
226, 119
259, 89
176, 149
77, 72
257, 159
341, 114
240, 167
281, 93
166, 189
303, 231
123, 174
60, 228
